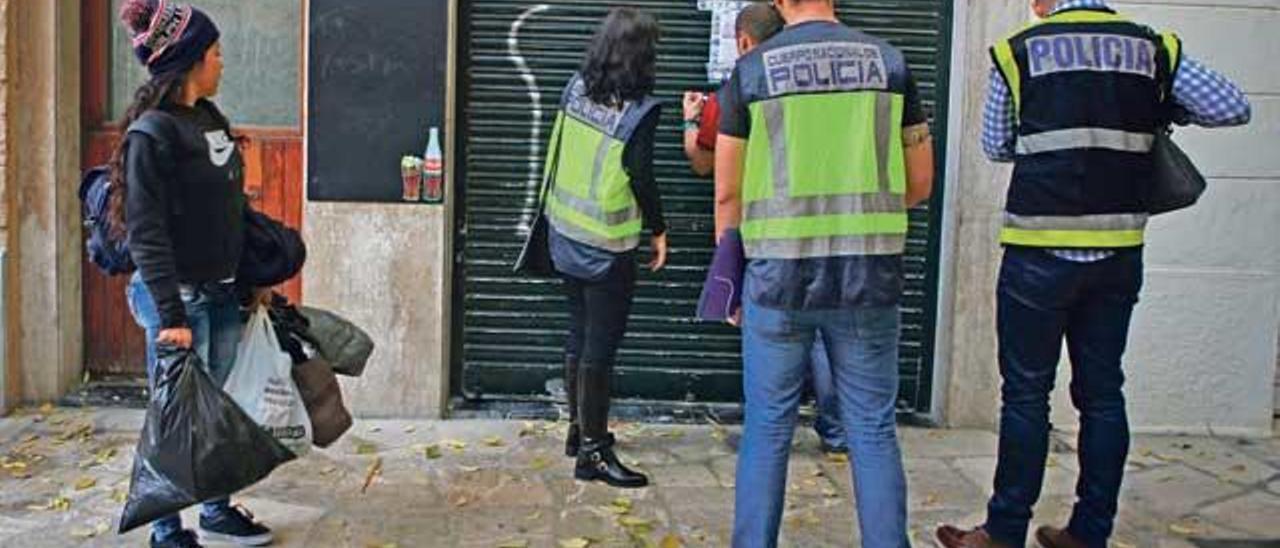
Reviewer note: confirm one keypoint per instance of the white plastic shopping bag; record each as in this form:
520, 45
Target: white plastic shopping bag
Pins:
261, 382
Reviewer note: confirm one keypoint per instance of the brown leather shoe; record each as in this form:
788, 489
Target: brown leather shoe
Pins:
950, 536
1053, 537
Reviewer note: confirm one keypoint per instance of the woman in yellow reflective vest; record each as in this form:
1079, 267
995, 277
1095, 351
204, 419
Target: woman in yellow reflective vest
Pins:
601, 195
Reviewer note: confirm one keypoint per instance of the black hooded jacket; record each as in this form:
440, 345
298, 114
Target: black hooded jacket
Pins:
185, 208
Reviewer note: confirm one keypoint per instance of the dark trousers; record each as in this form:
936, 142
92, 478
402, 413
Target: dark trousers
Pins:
598, 312
1041, 300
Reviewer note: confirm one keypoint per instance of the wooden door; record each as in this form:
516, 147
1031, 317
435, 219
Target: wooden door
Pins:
114, 344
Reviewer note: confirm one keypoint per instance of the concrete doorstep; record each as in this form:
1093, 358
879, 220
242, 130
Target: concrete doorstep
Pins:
64, 474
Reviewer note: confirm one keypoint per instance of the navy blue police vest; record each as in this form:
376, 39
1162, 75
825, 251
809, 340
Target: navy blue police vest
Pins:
1088, 88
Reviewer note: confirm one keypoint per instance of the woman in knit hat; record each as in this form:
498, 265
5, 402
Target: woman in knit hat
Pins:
178, 195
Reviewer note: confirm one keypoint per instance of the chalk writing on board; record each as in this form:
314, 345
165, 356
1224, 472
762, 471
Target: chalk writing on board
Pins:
377, 73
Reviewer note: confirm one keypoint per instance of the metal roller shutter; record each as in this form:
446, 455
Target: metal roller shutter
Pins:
516, 58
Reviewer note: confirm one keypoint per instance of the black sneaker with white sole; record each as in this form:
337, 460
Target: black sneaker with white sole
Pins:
183, 539
235, 527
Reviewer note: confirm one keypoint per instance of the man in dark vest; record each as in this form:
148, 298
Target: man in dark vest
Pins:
823, 146
1076, 100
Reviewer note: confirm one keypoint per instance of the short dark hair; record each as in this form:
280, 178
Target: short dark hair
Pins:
621, 60
760, 21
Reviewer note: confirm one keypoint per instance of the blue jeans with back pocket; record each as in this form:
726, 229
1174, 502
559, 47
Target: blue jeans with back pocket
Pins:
214, 317
1041, 301
862, 348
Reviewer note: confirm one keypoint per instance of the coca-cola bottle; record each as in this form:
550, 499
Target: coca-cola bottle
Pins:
433, 170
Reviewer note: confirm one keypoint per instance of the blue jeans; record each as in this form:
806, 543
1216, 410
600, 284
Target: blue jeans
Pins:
1041, 300
827, 422
214, 316
862, 344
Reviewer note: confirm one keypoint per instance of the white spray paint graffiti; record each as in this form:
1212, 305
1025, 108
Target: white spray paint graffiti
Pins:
535, 100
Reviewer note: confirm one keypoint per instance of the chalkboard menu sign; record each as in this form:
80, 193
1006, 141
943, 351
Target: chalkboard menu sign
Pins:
376, 86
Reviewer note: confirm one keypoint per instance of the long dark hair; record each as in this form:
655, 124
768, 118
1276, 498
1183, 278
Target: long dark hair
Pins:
621, 60
158, 92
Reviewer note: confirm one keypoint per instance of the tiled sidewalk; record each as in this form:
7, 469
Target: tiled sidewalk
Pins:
502, 483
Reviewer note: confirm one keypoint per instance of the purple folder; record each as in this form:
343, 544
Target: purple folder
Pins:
722, 292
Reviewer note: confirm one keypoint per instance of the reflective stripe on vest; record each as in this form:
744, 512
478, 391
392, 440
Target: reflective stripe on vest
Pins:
819, 181
1085, 138
1083, 231
591, 201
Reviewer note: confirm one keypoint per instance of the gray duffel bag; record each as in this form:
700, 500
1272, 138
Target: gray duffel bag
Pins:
344, 345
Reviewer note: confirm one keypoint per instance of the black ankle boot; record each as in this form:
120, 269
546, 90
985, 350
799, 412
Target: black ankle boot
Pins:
597, 462
571, 441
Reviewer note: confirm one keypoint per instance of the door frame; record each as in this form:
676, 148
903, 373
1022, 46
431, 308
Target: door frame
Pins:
101, 297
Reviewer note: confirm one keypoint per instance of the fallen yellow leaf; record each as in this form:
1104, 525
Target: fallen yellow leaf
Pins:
455, 445
670, 541
493, 441
432, 451
375, 469
517, 543
576, 542
119, 496
83, 431
1185, 529
539, 463
86, 483
105, 455
60, 504
631, 521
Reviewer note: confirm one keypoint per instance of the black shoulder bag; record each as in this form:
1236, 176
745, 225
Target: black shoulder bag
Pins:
1176, 183
535, 256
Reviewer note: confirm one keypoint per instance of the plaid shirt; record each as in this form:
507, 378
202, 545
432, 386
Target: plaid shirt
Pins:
1206, 98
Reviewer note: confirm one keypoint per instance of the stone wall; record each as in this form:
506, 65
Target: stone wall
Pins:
6, 399
975, 197
389, 269
42, 297
386, 268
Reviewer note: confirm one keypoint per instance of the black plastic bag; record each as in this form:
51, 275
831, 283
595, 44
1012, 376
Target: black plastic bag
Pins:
291, 327
197, 444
